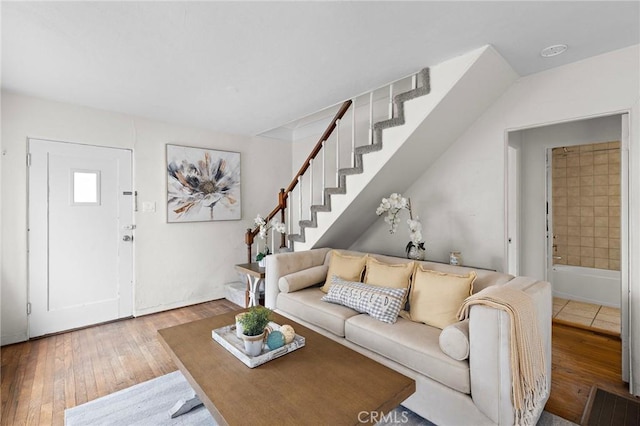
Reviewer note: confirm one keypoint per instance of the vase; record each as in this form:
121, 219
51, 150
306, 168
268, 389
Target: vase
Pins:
253, 344
239, 327
262, 262
416, 253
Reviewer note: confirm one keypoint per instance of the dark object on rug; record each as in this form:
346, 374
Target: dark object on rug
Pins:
605, 408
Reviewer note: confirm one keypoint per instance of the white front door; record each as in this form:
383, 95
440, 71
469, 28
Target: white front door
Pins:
80, 235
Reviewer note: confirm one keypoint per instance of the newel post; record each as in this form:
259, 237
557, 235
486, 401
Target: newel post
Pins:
248, 239
282, 202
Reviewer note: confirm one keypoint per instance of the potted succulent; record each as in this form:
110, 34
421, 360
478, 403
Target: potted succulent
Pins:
254, 323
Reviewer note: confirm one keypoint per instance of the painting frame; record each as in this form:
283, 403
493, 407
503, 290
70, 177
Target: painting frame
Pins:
203, 184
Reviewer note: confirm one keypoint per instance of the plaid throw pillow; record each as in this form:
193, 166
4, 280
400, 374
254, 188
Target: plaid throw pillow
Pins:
382, 303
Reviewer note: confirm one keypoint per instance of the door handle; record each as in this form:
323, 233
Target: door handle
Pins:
127, 238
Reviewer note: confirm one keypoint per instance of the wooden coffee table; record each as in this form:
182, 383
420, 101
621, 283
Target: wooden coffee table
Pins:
322, 383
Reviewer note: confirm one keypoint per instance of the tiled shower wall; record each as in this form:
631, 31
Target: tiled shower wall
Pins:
586, 205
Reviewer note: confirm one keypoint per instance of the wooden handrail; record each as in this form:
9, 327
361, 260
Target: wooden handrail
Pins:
284, 194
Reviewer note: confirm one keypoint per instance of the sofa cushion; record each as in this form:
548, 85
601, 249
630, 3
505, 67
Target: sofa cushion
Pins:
382, 303
396, 275
412, 345
302, 279
435, 297
454, 340
347, 267
307, 305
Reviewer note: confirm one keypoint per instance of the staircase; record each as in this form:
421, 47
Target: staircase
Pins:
438, 105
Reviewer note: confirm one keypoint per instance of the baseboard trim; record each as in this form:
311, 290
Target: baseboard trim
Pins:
138, 312
10, 339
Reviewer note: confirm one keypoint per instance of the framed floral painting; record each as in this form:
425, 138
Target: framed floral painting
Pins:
202, 184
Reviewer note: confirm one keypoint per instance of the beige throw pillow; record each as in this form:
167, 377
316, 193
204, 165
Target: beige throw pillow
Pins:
435, 297
387, 274
348, 268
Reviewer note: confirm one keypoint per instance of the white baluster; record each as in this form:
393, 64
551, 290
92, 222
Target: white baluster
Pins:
391, 100
300, 199
337, 153
289, 215
324, 181
371, 118
310, 183
273, 240
353, 133
414, 81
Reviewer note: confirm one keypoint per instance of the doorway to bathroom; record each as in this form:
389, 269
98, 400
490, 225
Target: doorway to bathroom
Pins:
554, 207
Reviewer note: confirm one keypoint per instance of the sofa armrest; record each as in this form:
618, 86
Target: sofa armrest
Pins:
489, 357
281, 264
303, 279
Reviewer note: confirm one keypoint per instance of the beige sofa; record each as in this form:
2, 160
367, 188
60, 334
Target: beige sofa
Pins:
471, 391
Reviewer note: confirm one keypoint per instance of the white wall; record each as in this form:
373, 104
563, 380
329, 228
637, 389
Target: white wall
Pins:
175, 264
460, 198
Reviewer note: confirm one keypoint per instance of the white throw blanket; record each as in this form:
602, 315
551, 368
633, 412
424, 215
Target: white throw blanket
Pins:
529, 381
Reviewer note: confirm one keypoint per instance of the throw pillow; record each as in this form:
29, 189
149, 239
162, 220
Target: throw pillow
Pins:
382, 303
454, 340
388, 275
347, 267
435, 297
302, 279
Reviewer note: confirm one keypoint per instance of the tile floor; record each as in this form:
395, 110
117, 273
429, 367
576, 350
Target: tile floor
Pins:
602, 318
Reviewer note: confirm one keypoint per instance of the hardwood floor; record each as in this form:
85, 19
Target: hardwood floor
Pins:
581, 359
42, 377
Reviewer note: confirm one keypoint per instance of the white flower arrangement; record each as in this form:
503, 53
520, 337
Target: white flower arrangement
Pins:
263, 233
392, 207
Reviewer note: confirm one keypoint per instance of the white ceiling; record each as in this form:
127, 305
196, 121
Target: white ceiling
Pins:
247, 67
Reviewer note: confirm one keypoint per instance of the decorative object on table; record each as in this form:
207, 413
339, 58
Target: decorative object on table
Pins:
392, 206
202, 184
288, 332
265, 227
254, 323
239, 325
275, 340
455, 258
226, 336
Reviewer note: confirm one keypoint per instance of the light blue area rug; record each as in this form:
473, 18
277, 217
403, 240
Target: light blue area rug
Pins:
148, 404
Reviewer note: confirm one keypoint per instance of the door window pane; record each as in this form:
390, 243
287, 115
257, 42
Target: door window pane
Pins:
86, 187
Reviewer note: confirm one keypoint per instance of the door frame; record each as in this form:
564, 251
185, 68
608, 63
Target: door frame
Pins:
514, 168
28, 207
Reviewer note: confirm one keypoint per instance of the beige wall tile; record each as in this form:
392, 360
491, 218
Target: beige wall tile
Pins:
614, 190
573, 260
602, 253
573, 231
587, 242
614, 254
586, 201
614, 212
573, 201
571, 181
586, 191
613, 179
575, 251
560, 211
586, 159
614, 222
560, 161
587, 262
561, 191
558, 182
601, 211
601, 169
601, 243
573, 160
586, 211
587, 221
614, 232
614, 243
588, 171
601, 221
560, 220
601, 263
562, 201
600, 189
613, 144
586, 231
586, 251
561, 230
600, 146
599, 158
614, 264
614, 168
573, 240
573, 172
586, 148
601, 180
586, 180
601, 201
558, 173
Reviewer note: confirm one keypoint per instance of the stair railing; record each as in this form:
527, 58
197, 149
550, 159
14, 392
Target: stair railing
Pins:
284, 194
309, 176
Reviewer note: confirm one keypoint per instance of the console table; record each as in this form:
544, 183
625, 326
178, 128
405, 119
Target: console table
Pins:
255, 276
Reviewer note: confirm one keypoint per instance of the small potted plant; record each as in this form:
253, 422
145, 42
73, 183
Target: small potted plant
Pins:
265, 227
254, 323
